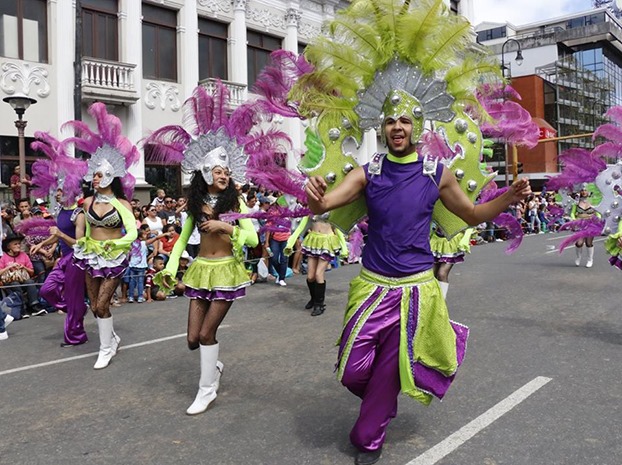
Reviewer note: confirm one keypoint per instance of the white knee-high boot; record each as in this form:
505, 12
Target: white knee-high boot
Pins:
209, 381
106, 337
590, 257
444, 287
579, 251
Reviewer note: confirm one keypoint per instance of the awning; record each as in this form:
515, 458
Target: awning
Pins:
546, 130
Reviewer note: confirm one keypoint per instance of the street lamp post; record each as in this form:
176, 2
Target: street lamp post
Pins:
519, 61
20, 104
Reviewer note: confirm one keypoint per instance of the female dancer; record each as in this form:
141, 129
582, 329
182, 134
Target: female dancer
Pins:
110, 225
583, 209
216, 277
321, 245
215, 150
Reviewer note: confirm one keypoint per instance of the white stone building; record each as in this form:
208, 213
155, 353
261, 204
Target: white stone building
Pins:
143, 58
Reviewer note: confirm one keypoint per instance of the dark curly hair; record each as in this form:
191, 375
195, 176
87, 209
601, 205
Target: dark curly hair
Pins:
228, 200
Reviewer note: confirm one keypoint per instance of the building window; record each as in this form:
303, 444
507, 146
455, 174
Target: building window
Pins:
100, 29
212, 49
490, 34
159, 43
260, 46
161, 176
9, 156
24, 30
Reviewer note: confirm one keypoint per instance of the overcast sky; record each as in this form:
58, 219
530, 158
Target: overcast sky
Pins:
519, 12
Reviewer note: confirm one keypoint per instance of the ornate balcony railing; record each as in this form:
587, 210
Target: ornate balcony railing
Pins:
108, 81
238, 93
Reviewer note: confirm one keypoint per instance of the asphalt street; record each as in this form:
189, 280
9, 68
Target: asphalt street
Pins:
540, 383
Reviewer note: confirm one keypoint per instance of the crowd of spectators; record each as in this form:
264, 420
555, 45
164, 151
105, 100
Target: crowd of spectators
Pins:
159, 223
532, 214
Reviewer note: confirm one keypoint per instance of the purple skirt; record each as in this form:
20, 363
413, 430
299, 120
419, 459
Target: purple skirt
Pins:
210, 295
104, 272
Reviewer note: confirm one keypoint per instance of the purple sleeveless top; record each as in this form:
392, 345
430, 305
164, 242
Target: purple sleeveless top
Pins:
400, 201
64, 222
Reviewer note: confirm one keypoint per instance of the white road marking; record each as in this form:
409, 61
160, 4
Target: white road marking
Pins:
123, 348
452, 442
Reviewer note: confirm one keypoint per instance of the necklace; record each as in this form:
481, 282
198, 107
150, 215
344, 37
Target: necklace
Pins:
211, 199
103, 198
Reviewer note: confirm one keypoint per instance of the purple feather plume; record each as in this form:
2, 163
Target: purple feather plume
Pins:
580, 166
35, 226
46, 173
514, 229
167, 144
490, 193
554, 213
276, 215
356, 241
277, 79
512, 123
589, 227
434, 146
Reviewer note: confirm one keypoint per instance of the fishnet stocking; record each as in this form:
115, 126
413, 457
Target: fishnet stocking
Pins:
100, 293
204, 318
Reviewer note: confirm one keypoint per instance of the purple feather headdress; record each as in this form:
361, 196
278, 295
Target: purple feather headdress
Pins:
580, 166
511, 122
111, 152
277, 79
613, 133
210, 137
58, 171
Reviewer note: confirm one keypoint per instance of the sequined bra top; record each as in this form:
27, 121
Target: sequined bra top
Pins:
589, 211
110, 220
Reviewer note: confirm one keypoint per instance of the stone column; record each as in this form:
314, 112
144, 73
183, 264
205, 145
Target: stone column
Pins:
189, 39
293, 126
238, 69
131, 52
62, 52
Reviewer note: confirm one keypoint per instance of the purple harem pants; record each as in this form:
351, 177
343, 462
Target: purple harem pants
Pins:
397, 337
64, 290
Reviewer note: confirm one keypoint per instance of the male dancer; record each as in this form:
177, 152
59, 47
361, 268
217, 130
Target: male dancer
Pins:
70, 227
396, 292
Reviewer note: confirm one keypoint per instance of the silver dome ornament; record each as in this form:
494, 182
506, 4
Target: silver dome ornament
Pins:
615, 175
346, 123
418, 112
330, 178
459, 174
395, 99
607, 213
615, 204
616, 218
347, 168
607, 230
608, 181
461, 125
472, 137
471, 185
334, 133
